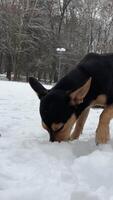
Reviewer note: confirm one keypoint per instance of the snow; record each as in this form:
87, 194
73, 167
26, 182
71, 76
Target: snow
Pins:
32, 168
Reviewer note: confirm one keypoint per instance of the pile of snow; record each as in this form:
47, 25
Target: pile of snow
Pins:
32, 168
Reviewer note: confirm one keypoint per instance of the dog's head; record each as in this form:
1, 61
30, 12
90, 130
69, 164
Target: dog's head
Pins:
57, 108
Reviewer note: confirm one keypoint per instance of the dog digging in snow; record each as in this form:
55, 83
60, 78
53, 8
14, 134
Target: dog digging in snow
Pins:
69, 101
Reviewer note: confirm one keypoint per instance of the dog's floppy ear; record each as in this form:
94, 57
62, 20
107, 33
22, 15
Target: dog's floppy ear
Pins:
38, 87
78, 95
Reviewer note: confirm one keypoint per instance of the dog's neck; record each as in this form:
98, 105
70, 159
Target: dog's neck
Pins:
74, 80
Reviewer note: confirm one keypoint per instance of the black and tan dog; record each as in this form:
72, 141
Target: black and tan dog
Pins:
69, 101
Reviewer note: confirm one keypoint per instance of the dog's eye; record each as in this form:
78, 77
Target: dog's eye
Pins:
44, 126
57, 126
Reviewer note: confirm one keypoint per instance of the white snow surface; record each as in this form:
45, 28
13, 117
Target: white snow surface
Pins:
32, 168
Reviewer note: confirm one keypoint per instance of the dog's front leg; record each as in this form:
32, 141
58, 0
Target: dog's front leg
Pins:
80, 124
102, 132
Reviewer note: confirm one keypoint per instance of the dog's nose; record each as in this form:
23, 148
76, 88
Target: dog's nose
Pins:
54, 140
51, 137
51, 140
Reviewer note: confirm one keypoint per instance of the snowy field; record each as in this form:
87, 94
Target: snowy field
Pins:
32, 168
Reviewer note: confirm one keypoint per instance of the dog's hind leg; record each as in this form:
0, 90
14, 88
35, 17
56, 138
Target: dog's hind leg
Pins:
102, 132
80, 124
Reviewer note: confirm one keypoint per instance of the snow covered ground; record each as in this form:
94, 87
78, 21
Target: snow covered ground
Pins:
32, 168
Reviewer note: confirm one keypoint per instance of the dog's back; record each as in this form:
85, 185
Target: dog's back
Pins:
97, 66
100, 68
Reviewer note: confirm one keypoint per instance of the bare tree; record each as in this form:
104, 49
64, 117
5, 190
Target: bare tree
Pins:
31, 30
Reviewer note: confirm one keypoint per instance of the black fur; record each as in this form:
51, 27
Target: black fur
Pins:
55, 105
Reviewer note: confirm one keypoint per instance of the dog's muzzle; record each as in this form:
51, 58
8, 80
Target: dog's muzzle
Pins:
53, 133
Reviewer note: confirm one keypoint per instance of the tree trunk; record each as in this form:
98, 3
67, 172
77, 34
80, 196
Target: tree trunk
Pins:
27, 76
9, 73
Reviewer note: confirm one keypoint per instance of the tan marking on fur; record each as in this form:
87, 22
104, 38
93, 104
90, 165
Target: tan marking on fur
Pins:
64, 134
99, 101
102, 132
44, 125
56, 126
78, 95
80, 124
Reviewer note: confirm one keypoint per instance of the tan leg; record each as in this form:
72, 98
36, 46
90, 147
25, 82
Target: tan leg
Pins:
80, 124
102, 132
